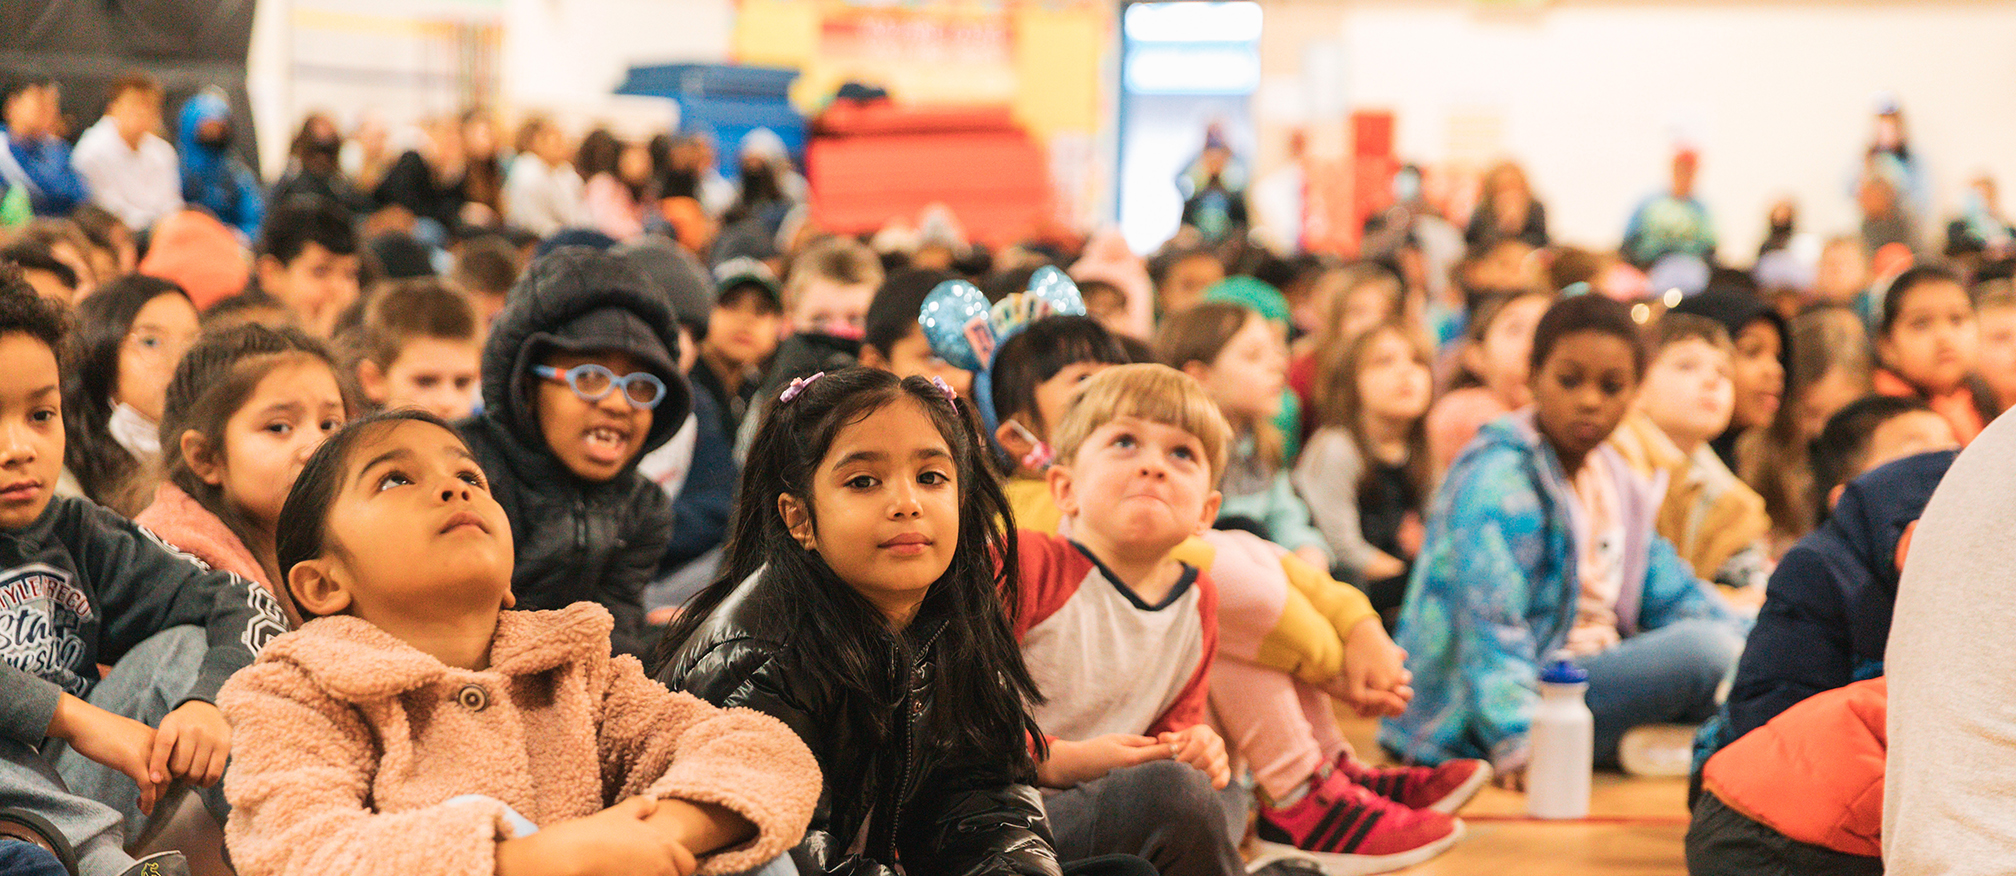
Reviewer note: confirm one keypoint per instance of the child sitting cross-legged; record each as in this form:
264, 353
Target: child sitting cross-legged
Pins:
413, 726
81, 586
1139, 453
1541, 540
861, 602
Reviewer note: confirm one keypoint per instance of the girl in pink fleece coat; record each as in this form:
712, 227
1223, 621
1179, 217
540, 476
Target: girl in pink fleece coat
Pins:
413, 727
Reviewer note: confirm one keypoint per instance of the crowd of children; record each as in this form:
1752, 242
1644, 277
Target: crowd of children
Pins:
585, 512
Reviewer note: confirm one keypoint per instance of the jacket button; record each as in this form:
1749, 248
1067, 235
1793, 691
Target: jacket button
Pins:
473, 697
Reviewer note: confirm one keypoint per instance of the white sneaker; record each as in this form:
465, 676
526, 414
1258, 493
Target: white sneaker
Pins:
1657, 750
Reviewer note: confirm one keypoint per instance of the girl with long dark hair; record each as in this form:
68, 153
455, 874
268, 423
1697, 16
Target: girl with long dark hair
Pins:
862, 603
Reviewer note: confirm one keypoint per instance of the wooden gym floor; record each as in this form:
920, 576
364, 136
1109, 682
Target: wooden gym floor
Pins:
1635, 828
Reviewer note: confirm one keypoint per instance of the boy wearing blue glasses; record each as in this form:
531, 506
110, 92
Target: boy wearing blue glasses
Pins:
579, 381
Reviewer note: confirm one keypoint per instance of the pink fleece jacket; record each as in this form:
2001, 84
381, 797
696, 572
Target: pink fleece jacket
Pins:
181, 521
347, 743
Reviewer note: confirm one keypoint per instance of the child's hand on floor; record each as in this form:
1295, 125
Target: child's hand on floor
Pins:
116, 741
192, 745
1071, 764
609, 843
1375, 680
1200, 747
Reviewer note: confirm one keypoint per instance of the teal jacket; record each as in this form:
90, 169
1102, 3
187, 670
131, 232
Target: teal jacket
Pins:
1494, 591
1267, 497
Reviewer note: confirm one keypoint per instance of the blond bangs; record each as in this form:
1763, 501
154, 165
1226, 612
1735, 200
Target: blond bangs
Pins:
1151, 392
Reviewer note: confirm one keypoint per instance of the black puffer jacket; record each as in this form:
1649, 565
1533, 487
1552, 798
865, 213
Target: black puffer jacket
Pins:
577, 540
939, 812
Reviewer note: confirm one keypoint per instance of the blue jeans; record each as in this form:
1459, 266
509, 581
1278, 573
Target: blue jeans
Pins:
92, 804
145, 685
21, 859
1665, 676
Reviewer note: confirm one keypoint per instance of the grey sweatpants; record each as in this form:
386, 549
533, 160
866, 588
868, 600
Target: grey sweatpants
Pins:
95, 806
1163, 811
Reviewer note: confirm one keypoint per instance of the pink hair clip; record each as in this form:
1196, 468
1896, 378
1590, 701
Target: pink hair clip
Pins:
798, 385
945, 388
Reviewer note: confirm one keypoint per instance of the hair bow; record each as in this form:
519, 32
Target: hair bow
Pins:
798, 385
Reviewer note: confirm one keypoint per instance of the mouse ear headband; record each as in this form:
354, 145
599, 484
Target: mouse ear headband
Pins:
967, 331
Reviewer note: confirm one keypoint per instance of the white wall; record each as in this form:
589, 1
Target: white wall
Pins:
1588, 95
563, 55
400, 59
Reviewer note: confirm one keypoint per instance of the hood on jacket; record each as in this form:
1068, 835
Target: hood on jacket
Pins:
578, 299
1858, 543
206, 105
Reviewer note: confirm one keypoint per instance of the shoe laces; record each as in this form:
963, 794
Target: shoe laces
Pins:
1339, 786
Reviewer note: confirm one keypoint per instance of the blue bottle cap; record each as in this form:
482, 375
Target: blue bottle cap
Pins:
1564, 672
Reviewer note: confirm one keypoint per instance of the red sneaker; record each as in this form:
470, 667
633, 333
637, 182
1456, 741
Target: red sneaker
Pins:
1348, 830
1443, 789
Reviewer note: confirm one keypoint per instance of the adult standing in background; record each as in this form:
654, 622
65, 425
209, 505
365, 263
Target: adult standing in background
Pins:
128, 167
1673, 222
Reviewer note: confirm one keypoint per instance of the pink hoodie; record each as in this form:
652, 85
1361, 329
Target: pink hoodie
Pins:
347, 743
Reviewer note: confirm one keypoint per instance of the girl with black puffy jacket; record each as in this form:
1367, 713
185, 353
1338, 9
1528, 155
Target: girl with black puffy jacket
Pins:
861, 603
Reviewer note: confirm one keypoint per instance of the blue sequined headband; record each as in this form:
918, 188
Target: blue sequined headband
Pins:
966, 331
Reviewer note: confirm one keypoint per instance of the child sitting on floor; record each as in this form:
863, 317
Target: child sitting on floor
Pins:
579, 382
1716, 522
82, 587
246, 408
862, 604
1541, 540
1928, 342
1138, 454
416, 727
1493, 380
1365, 472
1242, 362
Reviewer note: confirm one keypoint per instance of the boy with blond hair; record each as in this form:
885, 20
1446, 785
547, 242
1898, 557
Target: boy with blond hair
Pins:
1121, 634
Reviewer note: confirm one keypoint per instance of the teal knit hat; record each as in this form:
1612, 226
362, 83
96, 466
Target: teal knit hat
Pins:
1252, 294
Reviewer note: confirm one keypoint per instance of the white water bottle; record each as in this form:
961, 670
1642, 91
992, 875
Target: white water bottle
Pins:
1563, 739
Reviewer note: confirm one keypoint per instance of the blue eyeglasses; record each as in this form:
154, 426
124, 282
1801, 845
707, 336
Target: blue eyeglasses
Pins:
593, 383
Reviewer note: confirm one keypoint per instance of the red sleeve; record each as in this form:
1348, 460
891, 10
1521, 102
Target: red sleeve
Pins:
1051, 571
1188, 709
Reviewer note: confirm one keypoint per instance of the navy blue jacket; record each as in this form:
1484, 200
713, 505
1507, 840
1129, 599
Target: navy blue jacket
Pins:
1826, 614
